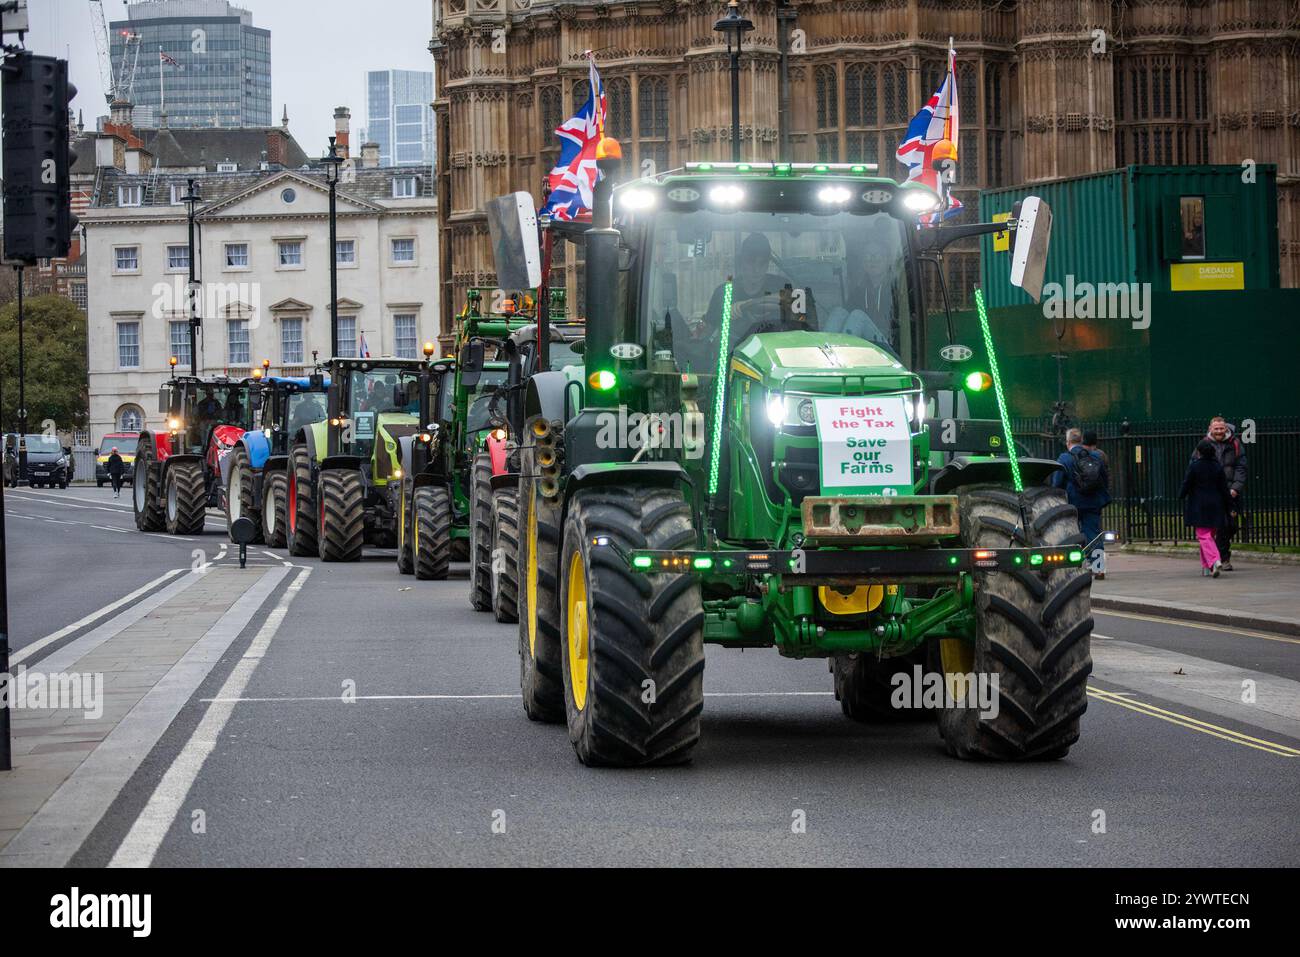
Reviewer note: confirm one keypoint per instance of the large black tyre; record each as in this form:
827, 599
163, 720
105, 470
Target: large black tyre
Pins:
300, 506
240, 500
460, 549
865, 689
405, 561
541, 676
505, 555
480, 533
340, 516
186, 499
274, 492
146, 496
1033, 633
432, 539
634, 642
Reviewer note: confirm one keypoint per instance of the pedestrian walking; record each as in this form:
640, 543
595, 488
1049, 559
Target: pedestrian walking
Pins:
1098, 557
1230, 455
1206, 490
116, 469
1086, 481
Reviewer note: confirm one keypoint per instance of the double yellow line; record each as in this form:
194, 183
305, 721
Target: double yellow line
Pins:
1195, 724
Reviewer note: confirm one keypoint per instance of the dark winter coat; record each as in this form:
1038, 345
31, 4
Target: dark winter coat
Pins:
115, 466
1206, 490
1232, 458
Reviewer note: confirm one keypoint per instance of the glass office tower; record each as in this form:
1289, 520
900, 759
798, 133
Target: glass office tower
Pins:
399, 115
222, 73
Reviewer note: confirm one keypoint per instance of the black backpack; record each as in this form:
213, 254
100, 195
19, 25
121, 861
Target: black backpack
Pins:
1087, 472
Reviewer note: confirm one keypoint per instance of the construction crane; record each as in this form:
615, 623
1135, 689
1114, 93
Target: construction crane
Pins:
121, 86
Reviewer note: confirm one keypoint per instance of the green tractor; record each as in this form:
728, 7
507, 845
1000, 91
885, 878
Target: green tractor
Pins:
749, 459
340, 471
458, 405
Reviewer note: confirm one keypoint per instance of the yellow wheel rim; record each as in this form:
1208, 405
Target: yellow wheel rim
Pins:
956, 657
401, 524
531, 584
577, 630
415, 534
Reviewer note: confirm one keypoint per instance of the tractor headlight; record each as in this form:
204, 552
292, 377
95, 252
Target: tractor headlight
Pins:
499, 434
792, 411
175, 424
776, 410
920, 199
919, 407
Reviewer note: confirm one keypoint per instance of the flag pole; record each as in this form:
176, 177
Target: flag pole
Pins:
162, 86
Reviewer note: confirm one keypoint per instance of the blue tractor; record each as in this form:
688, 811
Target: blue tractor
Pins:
256, 468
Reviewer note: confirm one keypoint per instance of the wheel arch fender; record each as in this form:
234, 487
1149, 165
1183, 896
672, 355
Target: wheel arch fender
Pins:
258, 447
971, 470
545, 396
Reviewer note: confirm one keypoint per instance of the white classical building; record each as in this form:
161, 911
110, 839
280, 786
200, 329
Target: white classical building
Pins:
262, 241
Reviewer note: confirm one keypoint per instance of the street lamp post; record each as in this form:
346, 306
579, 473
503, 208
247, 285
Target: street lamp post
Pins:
22, 388
734, 27
332, 163
191, 200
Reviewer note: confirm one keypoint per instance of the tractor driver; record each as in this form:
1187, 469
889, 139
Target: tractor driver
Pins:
870, 312
759, 300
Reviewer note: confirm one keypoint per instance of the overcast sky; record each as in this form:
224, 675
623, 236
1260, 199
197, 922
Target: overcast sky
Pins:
320, 52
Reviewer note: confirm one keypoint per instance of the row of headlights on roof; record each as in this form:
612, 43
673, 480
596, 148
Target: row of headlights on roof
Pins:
916, 199
798, 411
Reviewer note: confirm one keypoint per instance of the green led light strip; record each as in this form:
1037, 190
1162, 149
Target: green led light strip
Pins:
715, 453
997, 389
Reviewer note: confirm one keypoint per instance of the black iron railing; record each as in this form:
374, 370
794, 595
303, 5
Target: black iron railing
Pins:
1149, 459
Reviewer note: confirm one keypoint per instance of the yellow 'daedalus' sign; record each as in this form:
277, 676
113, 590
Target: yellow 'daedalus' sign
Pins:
1002, 239
1197, 277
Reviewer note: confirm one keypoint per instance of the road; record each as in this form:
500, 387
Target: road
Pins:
364, 718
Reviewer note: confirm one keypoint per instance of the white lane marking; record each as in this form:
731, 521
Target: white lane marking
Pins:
30, 649
218, 523
146, 835
221, 552
54, 834
492, 697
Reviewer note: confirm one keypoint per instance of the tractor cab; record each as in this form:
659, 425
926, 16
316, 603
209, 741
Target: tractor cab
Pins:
196, 408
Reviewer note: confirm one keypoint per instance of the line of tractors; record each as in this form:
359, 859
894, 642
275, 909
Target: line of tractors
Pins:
732, 447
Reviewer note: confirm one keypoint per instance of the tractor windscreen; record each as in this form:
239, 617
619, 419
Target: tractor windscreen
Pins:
384, 390
480, 409
306, 408
220, 405
843, 272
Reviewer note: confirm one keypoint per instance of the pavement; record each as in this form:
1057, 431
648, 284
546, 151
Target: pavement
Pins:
327, 715
1257, 594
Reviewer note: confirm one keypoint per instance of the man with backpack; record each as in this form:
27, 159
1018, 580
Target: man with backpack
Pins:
1086, 481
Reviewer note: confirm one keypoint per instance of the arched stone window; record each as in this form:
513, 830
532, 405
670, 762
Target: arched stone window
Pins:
129, 418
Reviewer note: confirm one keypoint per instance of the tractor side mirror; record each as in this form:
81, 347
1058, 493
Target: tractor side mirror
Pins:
255, 401
516, 248
164, 400
1033, 236
471, 363
579, 346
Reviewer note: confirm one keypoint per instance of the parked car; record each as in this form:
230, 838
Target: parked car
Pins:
125, 443
48, 462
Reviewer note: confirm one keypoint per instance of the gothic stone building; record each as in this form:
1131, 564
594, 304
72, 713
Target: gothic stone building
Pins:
1048, 88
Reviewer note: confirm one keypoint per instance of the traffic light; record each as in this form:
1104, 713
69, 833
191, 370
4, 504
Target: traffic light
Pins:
38, 220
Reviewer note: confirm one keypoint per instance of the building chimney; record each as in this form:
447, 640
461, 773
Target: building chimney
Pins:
119, 114
275, 148
342, 130
369, 155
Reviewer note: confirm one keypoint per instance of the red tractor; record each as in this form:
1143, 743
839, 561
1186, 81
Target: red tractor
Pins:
178, 473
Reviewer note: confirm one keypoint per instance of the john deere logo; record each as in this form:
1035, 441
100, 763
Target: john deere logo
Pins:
995, 442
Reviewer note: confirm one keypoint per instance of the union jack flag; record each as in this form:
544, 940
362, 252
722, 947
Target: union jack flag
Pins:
573, 181
936, 121
166, 58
